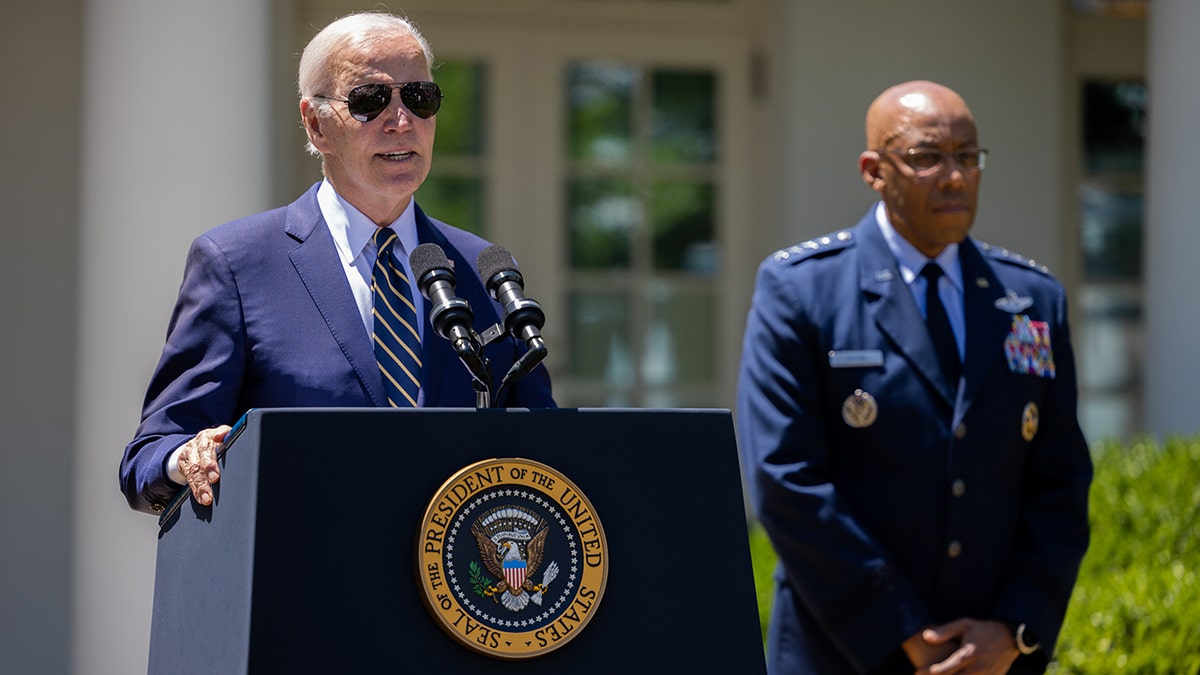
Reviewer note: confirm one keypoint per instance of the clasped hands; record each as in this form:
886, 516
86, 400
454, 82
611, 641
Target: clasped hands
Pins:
965, 646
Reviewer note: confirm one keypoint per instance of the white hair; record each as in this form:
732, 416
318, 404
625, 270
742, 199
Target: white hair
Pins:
353, 31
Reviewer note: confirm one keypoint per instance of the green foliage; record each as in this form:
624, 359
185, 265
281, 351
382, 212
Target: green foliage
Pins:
480, 582
1136, 606
762, 557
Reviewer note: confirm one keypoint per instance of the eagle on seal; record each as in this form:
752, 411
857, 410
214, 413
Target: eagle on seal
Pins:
513, 563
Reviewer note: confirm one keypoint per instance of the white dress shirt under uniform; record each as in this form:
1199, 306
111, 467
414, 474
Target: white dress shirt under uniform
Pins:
950, 284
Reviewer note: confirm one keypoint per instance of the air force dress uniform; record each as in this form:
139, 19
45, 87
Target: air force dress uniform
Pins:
894, 499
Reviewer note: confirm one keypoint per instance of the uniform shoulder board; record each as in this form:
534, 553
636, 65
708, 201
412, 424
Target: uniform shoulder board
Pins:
1004, 255
814, 247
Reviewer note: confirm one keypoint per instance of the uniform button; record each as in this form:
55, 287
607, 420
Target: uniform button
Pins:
954, 550
960, 431
958, 488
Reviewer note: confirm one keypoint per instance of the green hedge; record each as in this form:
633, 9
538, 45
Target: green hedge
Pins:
1136, 606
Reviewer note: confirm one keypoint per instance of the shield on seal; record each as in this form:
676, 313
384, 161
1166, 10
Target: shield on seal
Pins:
514, 572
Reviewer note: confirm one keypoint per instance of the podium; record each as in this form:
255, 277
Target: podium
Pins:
308, 560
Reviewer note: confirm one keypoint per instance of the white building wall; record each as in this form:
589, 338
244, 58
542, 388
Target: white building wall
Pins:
175, 141
1172, 234
1003, 57
39, 212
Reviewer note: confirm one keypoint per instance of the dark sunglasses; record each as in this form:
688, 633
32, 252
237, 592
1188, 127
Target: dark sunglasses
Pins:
366, 101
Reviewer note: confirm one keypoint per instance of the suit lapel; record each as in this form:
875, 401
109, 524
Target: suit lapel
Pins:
987, 325
894, 310
435, 351
317, 262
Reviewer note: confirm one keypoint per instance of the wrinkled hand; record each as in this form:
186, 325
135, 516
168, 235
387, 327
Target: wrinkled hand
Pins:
984, 648
198, 462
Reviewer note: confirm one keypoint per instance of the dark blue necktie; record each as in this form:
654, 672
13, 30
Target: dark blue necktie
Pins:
397, 342
939, 325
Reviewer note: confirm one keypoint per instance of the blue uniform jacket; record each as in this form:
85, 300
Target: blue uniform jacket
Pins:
265, 319
894, 502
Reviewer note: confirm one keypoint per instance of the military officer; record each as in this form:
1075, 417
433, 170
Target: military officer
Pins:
907, 417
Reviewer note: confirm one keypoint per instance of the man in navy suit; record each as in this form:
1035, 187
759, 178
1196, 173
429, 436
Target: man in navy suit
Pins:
916, 459
276, 310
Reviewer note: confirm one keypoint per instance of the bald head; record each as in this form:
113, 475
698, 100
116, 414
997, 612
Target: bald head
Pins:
911, 104
923, 158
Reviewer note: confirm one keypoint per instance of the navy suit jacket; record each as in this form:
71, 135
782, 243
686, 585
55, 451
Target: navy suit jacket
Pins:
265, 319
908, 503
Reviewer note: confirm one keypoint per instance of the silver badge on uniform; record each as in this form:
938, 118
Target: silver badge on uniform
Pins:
859, 409
1013, 303
856, 358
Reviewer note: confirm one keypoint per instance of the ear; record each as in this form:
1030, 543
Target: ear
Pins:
868, 167
312, 123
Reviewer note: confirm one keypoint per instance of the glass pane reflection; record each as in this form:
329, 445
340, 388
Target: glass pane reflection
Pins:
455, 200
460, 128
600, 348
684, 121
682, 215
1110, 341
600, 111
602, 214
455, 189
680, 338
1111, 230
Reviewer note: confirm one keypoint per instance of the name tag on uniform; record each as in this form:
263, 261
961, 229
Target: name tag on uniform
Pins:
856, 358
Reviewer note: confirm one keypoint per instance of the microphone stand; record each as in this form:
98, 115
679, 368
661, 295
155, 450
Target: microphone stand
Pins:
482, 395
522, 366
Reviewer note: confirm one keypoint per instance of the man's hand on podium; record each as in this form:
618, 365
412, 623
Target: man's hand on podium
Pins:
197, 461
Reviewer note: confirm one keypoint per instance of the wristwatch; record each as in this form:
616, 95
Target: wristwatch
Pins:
1026, 642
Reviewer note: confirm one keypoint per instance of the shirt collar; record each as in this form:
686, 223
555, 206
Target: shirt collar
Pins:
909, 259
352, 230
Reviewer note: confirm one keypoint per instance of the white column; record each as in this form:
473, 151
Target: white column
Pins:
175, 140
1172, 233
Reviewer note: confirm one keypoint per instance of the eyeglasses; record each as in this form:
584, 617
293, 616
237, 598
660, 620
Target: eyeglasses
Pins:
366, 101
927, 161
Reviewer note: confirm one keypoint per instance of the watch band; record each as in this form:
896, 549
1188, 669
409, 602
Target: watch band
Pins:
1026, 643
1023, 637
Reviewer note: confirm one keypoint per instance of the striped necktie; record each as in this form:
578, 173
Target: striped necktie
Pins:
397, 342
939, 325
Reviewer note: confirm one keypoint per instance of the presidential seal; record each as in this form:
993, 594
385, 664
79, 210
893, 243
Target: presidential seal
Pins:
511, 558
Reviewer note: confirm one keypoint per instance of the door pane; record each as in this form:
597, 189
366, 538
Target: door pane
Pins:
684, 230
684, 121
600, 348
1110, 207
680, 344
460, 129
457, 200
455, 191
601, 215
641, 199
599, 111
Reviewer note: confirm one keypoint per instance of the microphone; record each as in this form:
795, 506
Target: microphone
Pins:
523, 317
449, 314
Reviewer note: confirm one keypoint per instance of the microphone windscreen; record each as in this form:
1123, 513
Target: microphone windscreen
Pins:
426, 258
494, 260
